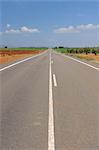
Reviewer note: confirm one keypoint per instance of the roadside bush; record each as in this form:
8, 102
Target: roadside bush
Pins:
55, 48
81, 50
71, 50
86, 50
94, 51
97, 50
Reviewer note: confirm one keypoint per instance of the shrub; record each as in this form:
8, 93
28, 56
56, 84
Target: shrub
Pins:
94, 51
86, 50
81, 50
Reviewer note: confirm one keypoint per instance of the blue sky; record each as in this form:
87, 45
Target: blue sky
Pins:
50, 23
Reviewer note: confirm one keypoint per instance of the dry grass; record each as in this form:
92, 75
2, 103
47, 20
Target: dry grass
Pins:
7, 58
88, 57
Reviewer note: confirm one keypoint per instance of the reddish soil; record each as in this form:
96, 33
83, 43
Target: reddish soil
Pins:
12, 55
17, 52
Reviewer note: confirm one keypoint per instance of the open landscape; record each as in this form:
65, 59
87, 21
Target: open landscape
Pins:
13, 54
49, 75
90, 54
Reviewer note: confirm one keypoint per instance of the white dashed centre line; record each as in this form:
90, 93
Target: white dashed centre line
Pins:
54, 80
51, 140
52, 62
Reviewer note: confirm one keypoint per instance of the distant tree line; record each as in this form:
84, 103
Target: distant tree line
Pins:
86, 50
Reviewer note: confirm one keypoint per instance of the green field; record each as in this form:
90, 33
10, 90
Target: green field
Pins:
25, 48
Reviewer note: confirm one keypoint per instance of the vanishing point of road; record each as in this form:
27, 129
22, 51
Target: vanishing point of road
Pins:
49, 102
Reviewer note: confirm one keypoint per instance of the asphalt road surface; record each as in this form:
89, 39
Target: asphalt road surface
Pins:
49, 102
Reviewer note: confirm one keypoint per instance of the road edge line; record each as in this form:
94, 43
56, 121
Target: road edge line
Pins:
81, 62
23, 60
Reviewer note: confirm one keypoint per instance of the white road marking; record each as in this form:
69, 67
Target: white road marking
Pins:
9, 66
52, 62
51, 140
54, 80
79, 61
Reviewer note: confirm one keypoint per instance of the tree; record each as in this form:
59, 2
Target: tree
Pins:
61, 47
87, 50
94, 52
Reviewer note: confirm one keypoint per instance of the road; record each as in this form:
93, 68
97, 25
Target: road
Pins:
49, 102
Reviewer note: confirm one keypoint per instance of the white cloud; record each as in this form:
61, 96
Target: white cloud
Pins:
23, 29
28, 30
70, 29
12, 31
88, 27
77, 29
8, 25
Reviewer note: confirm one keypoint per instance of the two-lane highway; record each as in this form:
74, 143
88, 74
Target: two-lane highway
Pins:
49, 102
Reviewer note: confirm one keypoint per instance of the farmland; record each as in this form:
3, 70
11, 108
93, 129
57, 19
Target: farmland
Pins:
12, 54
87, 53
